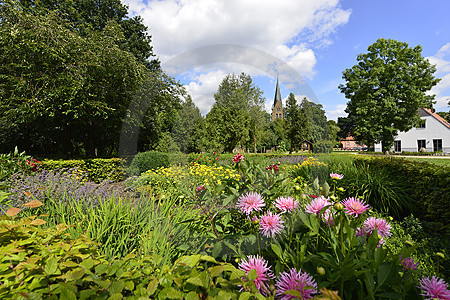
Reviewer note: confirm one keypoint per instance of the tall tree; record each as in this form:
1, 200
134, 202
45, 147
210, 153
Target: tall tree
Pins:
386, 88
230, 119
183, 128
294, 121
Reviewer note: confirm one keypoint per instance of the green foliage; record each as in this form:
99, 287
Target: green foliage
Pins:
149, 160
209, 159
96, 169
16, 162
427, 187
324, 146
47, 263
386, 88
177, 158
235, 114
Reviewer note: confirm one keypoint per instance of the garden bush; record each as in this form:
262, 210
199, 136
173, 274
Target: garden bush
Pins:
323, 147
96, 169
427, 187
47, 263
149, 160
16, 162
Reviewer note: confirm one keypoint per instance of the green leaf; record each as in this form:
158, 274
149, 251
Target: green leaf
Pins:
67, 294
277, 250
152, 286
87, 263
51, 266
75, 274
245, 296
252, 275
216, 271
195, 281
116, 287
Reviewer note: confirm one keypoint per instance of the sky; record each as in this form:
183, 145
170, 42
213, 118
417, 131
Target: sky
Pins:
307, 44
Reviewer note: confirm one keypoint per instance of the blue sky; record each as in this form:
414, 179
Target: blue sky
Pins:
308, 43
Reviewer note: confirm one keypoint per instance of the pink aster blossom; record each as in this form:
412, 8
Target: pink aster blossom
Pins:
286, 204
336, 176
237, 158
434, 288
250, 202
383, 227
354, 206
408, 264
327, 217
264, 274
270, 224
316, 205
294, 280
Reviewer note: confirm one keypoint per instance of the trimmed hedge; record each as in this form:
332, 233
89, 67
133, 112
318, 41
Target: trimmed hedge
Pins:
144, 161
429, 184
97, 169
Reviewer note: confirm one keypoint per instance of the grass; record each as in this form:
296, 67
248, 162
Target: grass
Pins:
436, 161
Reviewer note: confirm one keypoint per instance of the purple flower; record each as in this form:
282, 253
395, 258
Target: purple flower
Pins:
250, 202
354, 206
434, 288
408, 264
286, 204
270, 224
294, 280
316, 205
263, 272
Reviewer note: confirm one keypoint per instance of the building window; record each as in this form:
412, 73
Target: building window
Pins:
437, 145
398, 146
422, 124
421, 144
348, 144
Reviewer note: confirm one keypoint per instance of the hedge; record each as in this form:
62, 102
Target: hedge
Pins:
97, 169
429, 187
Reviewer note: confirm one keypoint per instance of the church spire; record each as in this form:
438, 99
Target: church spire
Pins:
277, 109
277, 94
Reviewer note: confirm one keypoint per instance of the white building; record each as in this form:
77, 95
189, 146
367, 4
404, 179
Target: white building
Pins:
433, 135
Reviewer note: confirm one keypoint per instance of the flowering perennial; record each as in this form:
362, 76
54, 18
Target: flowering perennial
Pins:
237, 158
286, 204
336, 176
294, 280
434, 288
270, 224
263, 271
354, 206
250, 202
317, 205
408, 264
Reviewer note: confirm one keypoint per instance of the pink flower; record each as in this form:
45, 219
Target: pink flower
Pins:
250, 202
286, 204
316, 205
383, 227
336, 176
200, 188
270, 224
408, 264
294, 280
354, 206
237, 158
263, 272
327, 217
434, 288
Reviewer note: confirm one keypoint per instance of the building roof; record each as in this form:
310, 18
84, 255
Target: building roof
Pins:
434, 115
277, 97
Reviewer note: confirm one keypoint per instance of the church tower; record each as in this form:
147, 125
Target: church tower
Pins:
277, 108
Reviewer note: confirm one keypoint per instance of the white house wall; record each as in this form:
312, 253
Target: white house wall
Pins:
433, 130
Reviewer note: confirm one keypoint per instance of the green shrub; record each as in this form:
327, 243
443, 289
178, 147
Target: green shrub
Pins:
323, 147
149, 160
97, 169
16, 163
428, 187
177, 158
209, 159
46, 263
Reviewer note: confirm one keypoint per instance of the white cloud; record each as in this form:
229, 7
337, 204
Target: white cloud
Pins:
442, 89
335, 111
284, 30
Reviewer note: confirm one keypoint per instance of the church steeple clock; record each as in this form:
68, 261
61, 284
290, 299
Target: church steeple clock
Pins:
277, 108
